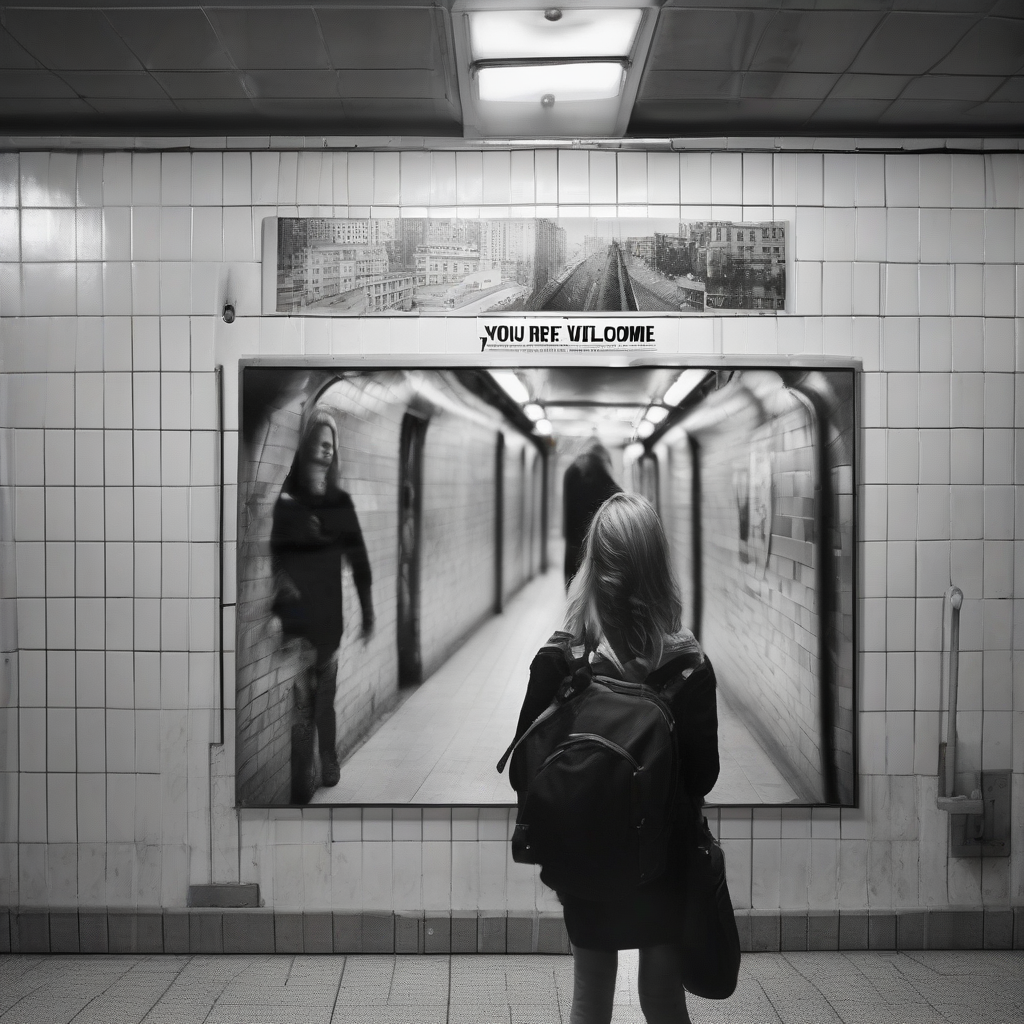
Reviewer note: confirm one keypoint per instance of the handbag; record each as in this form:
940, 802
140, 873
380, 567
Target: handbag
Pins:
709, 946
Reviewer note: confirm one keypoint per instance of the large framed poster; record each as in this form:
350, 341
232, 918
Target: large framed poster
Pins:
332, 266
407, 530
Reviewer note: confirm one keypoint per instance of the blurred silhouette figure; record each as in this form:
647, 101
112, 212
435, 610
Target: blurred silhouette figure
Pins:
315, 526
585, 487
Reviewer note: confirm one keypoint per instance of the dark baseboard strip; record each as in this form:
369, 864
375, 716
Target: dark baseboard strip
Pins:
224, 930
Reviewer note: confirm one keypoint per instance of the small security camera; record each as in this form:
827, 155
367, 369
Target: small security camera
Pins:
229, 313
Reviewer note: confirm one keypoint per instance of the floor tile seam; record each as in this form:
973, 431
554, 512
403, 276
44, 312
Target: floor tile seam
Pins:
8, 1009
448, 1001
341, 980
166, 988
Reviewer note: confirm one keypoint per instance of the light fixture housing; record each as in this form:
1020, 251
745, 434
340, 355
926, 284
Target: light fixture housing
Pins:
524, 74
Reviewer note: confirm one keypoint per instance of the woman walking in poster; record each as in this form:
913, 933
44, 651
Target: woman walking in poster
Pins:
315, 527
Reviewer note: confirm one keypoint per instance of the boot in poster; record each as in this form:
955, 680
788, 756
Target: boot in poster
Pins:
303, 764
326, 721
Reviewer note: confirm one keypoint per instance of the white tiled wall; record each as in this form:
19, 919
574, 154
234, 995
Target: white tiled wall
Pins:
113, 271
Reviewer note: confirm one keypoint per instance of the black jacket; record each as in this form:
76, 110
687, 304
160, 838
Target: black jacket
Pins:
309, 538
649, 918
585, 488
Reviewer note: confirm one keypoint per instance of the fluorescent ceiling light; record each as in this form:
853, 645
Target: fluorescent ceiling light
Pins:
534, 411
564, 82
685, 383
528, 72
504, 35
543, 427
656, 413
511, 385
645, 429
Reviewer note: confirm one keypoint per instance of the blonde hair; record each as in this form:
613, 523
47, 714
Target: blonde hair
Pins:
625, 582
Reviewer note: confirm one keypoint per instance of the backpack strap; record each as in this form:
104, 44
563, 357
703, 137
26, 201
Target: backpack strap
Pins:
692, 663
680, 675
542, 717
576, 681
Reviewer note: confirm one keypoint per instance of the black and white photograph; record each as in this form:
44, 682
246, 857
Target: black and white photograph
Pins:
512, 512
409, 537
470, 266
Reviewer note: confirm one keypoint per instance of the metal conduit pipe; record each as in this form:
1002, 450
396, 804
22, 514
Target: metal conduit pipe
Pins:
948, 801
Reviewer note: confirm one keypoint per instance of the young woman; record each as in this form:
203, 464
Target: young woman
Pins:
315, 528
624, 605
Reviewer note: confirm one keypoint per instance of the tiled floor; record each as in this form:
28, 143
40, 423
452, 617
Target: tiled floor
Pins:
442, 743
774, 988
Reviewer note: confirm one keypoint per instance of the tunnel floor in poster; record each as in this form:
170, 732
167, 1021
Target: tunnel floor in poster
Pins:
441, 744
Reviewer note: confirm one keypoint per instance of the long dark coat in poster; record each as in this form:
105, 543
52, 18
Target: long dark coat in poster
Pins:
467, 267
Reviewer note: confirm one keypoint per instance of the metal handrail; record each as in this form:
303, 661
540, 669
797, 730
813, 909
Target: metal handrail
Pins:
948, 801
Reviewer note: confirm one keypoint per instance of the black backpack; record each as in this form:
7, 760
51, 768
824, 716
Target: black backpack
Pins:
597, 775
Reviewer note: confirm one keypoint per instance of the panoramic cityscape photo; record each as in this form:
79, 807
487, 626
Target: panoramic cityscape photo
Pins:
465, 267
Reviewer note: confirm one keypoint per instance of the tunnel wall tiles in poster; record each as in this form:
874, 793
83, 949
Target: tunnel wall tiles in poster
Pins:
469, 266
401, 555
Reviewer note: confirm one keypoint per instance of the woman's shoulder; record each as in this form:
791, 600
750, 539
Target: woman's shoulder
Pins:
681, 644
559, 647
681, 654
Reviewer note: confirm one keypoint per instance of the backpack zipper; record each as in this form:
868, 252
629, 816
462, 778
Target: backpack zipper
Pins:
593, 737
647, 693
640, 690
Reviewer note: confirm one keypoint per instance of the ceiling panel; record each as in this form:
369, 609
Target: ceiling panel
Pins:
706, 40
379, 38
170, 40
212, 113
387, 84
746, 115
859, 67
669, 86
138, 85
869, 87
924, 112
1011, 91
824, 41
841, 115
70, 40
1006, 114
29, 83
161, 110
952, 87
202, 84
995, 46
13, 54
271, 39
35, 110
911, 43
292, 84
766, 85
